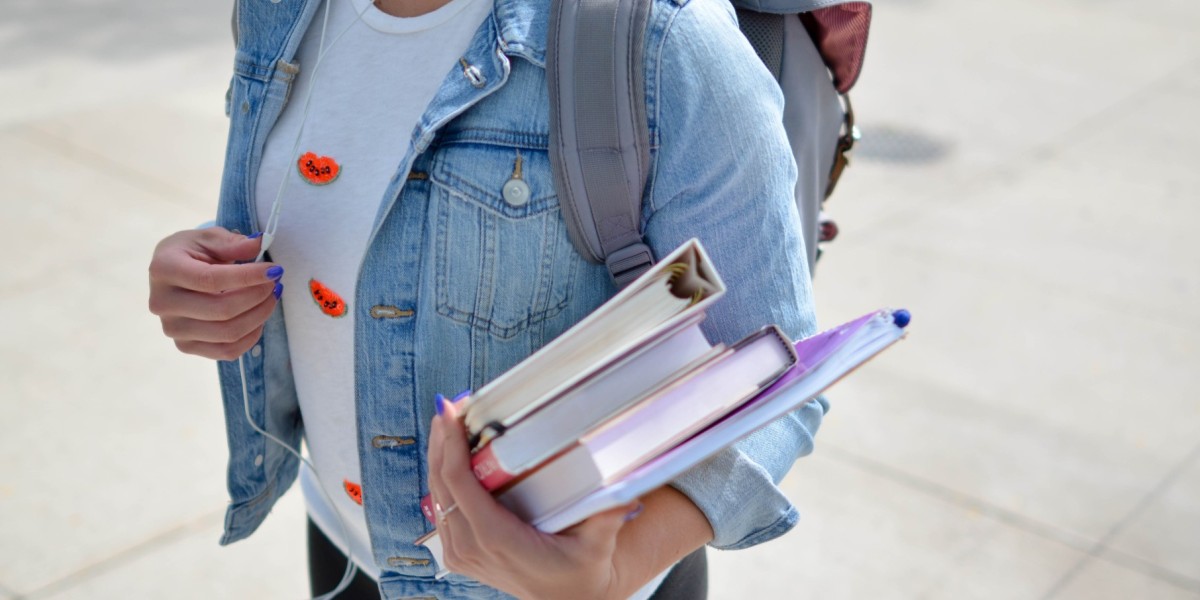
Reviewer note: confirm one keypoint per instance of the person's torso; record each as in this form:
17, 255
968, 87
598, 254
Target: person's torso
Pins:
457, 281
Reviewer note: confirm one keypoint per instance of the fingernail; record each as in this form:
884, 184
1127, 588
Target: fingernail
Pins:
461, 395
439, 402
275, 272
254, 236
278, 291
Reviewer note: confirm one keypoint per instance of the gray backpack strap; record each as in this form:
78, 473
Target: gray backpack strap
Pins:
599, 138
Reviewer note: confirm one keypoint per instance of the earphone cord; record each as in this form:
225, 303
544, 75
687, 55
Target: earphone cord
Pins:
351, 566
269, 236
277, 203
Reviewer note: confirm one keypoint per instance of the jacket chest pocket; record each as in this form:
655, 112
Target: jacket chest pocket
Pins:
504, 261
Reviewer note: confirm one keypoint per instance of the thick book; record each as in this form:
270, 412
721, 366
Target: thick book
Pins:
654, 424
681, 286
562, 422
821, 360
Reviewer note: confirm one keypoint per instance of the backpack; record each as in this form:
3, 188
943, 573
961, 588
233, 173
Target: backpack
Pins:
599, 138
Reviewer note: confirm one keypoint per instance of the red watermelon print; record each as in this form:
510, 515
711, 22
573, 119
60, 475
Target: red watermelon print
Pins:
353, 490
318, 170
328, 300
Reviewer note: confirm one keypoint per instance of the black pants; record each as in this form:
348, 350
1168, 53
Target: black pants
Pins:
688, 580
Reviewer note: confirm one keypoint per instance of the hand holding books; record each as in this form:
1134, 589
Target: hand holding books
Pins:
489, 543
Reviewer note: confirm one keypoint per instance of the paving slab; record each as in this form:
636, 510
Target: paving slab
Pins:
1104, 580
76, 218
100, 413
1052, 314
1167, 533
1019, 79
1080, 480
270, 564
1000, 78
95, 53
172, 146
865, 536
120, 437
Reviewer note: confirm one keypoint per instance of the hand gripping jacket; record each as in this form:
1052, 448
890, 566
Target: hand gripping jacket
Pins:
599, 143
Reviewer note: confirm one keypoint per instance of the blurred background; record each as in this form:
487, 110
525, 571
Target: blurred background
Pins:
1027, 187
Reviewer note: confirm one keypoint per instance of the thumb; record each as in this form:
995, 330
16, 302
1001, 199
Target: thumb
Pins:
225, 246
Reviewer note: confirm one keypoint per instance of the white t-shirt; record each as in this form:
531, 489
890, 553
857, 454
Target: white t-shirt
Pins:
367, 94
377, 76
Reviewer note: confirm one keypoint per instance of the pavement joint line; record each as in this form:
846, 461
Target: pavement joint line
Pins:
1101, 545
121, 557
1141, 565
949, 495
90, 158
7, 592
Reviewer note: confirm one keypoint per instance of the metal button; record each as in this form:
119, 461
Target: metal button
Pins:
391, 441
256, 351
404, 561
383, 311
258, 460
516, 192
472, 73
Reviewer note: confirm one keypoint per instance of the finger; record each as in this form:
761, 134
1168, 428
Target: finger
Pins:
480, 510
458, 539
434, 458
171, 301
189, 259
221, 332
182, 269
441, 494
226, 246
220, 351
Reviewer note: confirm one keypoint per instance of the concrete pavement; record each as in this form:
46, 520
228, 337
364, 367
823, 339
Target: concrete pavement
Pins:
1025, 188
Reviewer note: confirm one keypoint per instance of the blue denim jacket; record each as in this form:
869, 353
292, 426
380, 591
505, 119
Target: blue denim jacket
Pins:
457, 285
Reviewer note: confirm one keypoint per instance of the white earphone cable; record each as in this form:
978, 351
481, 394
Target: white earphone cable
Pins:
269, 236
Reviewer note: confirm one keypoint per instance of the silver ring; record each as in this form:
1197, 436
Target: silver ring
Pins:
442, 514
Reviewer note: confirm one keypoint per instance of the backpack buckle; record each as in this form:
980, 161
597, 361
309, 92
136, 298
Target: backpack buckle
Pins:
845, 144
629, 263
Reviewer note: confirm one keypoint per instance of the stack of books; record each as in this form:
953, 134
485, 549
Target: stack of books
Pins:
634, 395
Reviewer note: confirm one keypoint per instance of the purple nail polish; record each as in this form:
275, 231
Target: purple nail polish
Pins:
633, 514
461, 395
275, 272
254, 236
278, 291
439, 402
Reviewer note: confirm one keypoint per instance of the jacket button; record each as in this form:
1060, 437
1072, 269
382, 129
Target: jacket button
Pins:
516, 192
404, 561
381, 311
391, 441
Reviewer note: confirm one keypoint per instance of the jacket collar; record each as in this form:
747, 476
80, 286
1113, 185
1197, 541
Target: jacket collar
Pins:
521, 26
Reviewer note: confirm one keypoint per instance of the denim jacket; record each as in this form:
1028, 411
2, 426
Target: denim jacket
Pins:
457, 285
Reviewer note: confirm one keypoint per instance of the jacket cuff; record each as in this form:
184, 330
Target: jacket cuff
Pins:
737, 489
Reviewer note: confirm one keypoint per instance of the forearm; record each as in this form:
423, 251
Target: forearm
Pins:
669, 528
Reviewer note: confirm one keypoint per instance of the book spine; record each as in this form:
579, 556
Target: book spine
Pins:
488, 471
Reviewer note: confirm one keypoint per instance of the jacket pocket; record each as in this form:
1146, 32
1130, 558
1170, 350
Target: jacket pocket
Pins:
504, 261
